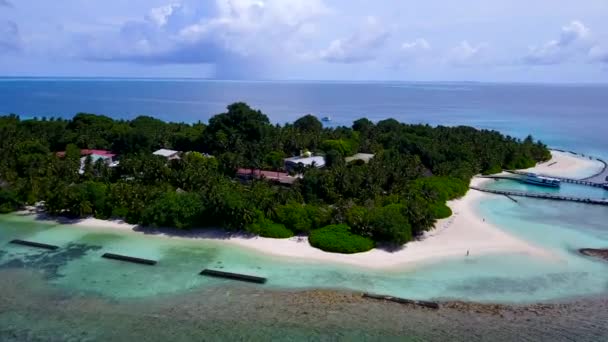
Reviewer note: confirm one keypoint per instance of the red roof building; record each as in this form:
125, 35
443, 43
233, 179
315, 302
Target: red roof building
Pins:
275, 176
86, 152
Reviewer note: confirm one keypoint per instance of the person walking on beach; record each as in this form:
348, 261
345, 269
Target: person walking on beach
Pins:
467, 252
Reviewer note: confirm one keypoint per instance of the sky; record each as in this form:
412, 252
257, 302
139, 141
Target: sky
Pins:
396, 40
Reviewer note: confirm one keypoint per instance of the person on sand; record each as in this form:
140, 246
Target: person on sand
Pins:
467, 252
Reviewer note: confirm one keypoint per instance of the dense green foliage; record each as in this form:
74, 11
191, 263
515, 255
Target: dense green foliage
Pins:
269, 229
440, 211
394, 197
338, 238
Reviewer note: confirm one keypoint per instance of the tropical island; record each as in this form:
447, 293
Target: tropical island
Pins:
347, 188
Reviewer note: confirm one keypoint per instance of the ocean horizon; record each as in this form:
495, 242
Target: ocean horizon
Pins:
566, 116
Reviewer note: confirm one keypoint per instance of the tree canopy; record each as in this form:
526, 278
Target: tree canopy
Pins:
394, 197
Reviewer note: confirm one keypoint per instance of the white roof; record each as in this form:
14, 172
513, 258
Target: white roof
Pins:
318, 161
165, 153
366, 157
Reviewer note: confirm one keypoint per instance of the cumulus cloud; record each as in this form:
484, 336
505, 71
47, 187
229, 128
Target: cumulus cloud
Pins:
160, 15
236, 36
599, 54
466, 54
575, 39
416, 45
361, 46
410, 53
10, 39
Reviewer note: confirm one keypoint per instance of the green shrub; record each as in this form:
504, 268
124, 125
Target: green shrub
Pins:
302, 218
338, 239
441, 188
342, 146
389, 223
269, 229
440, 211
492, 170
8, 201
175, 210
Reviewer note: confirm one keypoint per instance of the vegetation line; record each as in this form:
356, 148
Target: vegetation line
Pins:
394, 186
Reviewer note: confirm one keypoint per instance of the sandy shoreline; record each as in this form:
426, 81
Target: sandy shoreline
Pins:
452, 238
568, 165
465, 231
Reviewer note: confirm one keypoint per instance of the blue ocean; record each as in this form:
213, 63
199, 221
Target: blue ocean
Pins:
75, 295
563, 116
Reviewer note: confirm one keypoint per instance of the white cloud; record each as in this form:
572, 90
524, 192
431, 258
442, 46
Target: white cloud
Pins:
10, 39
575, 39
598, 54
232, 34
160, 15
466, 54
416, 45
410, 54
361, 46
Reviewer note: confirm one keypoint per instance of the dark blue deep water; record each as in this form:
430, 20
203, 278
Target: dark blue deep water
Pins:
563, 116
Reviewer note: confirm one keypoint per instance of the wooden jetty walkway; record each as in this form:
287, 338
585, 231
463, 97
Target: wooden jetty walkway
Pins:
543, 196
601, 177
129, 259
233, 276
34, 244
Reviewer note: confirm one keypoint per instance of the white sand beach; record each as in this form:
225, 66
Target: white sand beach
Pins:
566, 164
453, 237
463, 232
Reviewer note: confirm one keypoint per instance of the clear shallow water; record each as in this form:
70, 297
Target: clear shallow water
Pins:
78, 267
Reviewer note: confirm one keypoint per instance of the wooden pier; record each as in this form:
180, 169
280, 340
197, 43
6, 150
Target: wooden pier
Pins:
129, 259
234, 276
543, 196
34, 244
601, 177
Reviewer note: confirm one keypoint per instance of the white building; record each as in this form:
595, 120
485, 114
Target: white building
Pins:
293, 163
106, 158
169, 154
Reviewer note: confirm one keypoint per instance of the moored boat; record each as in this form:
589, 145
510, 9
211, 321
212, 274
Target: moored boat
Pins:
532, 178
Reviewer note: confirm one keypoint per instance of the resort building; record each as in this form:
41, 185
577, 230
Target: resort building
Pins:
292, 164
106, 156
169, 154
365, 157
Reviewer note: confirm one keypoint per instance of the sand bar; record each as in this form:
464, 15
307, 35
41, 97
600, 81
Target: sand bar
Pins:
568, 165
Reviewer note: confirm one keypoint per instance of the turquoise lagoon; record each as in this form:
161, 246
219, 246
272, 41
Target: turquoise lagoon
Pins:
559, 227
